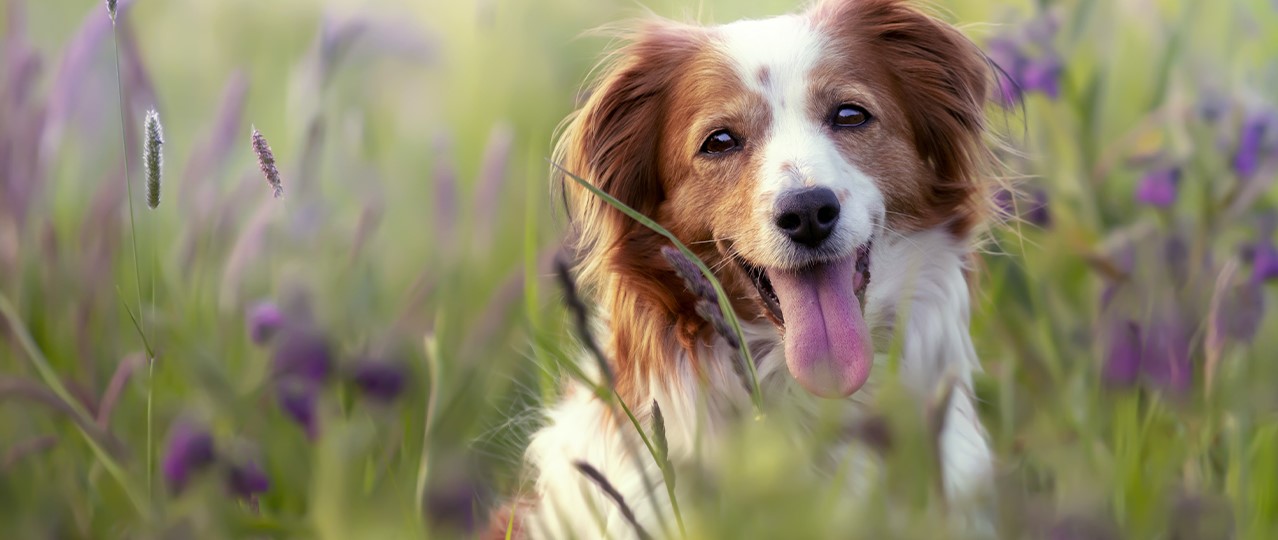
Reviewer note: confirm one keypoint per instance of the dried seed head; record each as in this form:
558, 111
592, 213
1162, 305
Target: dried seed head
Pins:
692, 277
581, 316
111, 9
707, 299
153, 157
266, 160
604, 485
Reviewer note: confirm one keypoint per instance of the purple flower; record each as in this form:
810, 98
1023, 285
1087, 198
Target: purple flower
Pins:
1034, 210
1165, 356
303, 354
379, 380
1263, 255
1251, 146
1006, 54
1158, 187
1241, 311
1264, 261
264, 320
1042, 74
1122, 359
189, 449
1025, 70
246, 479
1037, 213
299, 400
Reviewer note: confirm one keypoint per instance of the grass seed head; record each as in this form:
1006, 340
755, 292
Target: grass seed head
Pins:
153, 158
266, 160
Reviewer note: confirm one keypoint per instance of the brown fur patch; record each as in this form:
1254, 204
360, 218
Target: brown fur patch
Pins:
935, 83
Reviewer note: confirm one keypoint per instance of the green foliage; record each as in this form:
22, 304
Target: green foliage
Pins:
413, 139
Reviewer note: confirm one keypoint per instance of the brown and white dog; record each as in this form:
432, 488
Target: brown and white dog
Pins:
831, 166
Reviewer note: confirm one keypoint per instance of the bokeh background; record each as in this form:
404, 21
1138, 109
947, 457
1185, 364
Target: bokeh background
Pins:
362, 358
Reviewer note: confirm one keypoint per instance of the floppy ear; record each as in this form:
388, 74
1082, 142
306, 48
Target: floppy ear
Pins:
944, 80
614, 143
613, 140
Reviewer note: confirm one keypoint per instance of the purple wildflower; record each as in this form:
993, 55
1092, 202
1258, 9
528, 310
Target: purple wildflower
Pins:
1042, 74
264, 320
1037, 213
1034, 211
1251, 148
1028, 60
1159, 187
379, 380
189, 449
1165, 356
1264, 261
300, 401
245, 479
1241, 311
1263, 255
303, 354
1005, 54
1005, 202
1122, 359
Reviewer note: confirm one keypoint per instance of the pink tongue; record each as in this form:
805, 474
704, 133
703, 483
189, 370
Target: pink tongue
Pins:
827, 343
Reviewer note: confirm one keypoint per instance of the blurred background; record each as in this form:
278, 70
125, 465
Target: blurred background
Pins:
361, 357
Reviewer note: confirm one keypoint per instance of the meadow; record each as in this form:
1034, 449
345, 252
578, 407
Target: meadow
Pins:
363, 356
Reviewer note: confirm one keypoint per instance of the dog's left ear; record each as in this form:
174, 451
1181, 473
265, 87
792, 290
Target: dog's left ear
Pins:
943, 78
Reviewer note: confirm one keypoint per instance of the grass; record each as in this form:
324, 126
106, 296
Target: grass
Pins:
450, 276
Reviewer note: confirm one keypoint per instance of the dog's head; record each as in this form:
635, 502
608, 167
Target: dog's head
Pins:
778, 150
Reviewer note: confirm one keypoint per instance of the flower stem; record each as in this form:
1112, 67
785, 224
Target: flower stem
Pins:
133, 231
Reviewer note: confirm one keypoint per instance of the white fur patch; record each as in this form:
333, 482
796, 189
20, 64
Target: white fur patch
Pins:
775, 58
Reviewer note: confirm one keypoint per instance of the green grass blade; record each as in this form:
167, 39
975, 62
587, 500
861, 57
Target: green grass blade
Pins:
54, 382
724, 304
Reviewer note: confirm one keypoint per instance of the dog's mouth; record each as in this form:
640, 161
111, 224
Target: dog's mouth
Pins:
819, 309
768, 294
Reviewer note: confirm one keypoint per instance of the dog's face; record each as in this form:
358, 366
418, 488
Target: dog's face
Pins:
780, 149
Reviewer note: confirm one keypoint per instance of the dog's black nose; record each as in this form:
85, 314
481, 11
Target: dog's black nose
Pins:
808, 216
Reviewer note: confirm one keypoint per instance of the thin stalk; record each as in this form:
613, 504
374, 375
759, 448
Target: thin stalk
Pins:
150, 370
724, 304
431, 348
674, 503
83, 417
128, 184
609, 395
150, 425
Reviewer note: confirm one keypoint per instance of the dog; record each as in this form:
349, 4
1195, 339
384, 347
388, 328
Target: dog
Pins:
832, 166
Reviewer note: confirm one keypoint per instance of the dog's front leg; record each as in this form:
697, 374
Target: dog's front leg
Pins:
922, 277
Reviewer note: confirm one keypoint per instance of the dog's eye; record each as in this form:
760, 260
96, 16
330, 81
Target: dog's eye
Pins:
848, 115
719, 142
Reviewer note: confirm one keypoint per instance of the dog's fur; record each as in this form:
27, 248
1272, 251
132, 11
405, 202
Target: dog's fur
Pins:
912, 182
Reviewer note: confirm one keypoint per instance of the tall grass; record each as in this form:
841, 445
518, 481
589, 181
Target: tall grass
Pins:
1124, 321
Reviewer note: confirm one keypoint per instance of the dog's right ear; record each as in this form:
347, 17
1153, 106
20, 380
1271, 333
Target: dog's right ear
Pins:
612, 141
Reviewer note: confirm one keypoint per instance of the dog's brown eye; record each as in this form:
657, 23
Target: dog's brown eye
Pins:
850, 116
719, 142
